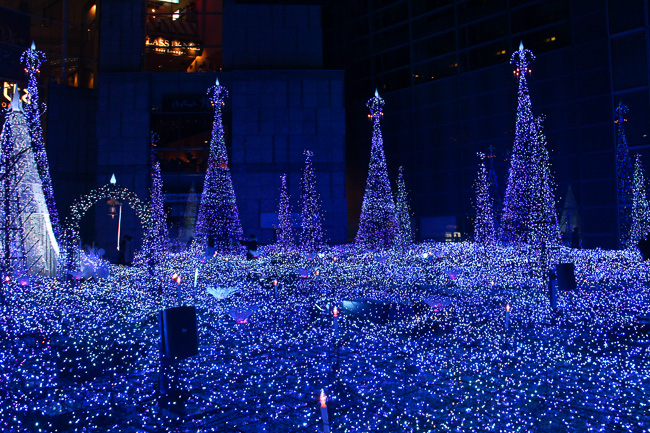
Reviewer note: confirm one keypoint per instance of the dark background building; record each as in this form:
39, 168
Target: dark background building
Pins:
153, 64
443, 68
119, 70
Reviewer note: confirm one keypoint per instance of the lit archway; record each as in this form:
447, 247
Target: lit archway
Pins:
85, 202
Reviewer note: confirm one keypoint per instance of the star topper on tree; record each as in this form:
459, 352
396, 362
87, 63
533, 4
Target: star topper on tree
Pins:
32, 58
520, 58
376, 106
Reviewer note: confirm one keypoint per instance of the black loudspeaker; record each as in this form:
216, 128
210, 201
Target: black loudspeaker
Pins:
644, 247
178, 332
566, 278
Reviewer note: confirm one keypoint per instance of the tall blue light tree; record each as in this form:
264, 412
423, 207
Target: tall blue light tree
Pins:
32, 60
378, 222
404, 237
529, 206
513, 227
285, 232
484, 232
640, 215
311, 237
623, 176
159, 236
218, 217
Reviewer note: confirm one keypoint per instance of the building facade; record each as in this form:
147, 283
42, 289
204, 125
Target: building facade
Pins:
443, 68
145, 99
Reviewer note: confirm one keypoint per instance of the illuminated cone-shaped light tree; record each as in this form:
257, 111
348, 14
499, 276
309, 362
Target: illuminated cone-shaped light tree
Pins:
623, 176
515, 202
378, 222
32, 60
493, 181
528, 205
484, 232
311, 237
285, 233
404, 238
159, 236
27, 240
543, 225
640, 221
218, 217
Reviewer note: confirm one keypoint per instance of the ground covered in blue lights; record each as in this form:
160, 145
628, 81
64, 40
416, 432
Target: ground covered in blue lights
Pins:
84, 355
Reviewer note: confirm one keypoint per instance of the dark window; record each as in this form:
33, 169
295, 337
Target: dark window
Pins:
625, 15
434, 23
486, 56
392, 37
356, 29
435, 46
423, 6
539, 15
378, 4
391, 16
395, 80
629, 57
483, 31
359, 69
392, 59
515, 3
547, 39
357, 49
439, 68
342, 12
359, 89
475, 9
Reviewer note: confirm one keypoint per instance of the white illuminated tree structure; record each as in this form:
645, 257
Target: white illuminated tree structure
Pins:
32, 59
27, 240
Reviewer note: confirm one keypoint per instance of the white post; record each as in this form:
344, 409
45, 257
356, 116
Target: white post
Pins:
119, 228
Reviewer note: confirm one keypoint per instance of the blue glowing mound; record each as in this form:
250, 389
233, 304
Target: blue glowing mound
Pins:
454, 336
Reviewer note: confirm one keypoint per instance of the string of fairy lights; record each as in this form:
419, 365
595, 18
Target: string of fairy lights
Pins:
311, 235
484, 232
84, 353
623, 175
285, 231
640, 215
